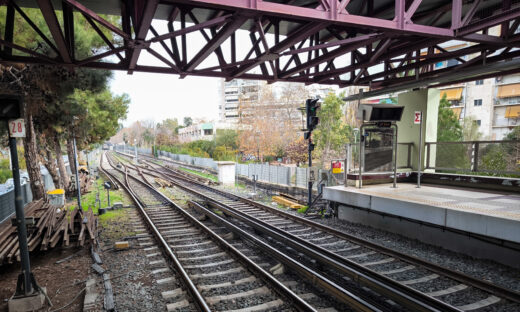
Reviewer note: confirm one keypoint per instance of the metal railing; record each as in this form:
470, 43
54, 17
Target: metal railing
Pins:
408, 148
497, 158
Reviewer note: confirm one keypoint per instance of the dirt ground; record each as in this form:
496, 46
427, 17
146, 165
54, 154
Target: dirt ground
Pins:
63, 281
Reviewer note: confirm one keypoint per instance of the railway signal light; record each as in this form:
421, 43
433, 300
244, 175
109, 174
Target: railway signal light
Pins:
311, 109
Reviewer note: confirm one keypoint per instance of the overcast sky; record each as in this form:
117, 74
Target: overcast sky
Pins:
161, 96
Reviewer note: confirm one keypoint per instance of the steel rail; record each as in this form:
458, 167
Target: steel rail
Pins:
452, 274
491, 288
398, 292
299, 303
199, 300
115, 185
336, 290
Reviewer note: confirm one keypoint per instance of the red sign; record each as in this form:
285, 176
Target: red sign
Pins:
337, 167
417, 118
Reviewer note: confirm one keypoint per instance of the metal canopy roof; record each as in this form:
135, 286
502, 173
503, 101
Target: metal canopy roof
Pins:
384, 44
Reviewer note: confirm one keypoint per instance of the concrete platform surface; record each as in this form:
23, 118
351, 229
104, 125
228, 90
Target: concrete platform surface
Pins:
489, 213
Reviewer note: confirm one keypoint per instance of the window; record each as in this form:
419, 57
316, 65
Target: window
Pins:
477, 102
479, 82
208, 131
513, 100
452, 62
477, 122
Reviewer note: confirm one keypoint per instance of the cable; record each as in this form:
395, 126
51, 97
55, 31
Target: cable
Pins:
74, 299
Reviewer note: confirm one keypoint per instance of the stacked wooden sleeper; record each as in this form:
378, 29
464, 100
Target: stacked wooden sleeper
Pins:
52, 226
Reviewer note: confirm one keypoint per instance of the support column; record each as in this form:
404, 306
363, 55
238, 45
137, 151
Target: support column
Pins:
427, 101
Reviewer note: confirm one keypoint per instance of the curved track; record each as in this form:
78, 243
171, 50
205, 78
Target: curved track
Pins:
219, 276
405, 279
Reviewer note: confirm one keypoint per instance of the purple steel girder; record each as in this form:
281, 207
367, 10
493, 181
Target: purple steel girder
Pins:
380, 44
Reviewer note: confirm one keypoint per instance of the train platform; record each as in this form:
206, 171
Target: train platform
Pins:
490, 214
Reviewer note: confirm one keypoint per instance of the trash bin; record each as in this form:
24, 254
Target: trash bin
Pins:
57, 197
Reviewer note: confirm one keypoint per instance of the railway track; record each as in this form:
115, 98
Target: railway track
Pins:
370, 264
219, 275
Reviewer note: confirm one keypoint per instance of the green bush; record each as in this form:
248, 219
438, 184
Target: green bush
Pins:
4, 175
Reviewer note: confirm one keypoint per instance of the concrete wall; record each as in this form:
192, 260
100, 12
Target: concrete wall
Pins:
426, 101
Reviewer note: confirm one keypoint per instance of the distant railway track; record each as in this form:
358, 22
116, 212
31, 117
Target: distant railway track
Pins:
407, 280
208, 264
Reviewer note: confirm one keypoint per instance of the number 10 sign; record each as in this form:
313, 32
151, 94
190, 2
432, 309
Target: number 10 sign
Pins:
17, 128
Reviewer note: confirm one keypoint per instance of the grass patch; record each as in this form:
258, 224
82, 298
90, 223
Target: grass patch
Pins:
201, 174
303, 209
89, 199
111, 215
240, 185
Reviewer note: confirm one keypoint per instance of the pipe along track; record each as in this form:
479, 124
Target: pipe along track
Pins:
306, 236
187, 228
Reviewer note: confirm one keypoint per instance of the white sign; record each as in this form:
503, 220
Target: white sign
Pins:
17, 128
313, 173
417, 117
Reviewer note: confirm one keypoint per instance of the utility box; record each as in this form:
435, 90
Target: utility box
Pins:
117, 205
57, 198
226, 172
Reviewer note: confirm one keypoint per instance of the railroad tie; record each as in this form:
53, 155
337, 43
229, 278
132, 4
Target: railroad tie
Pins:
386, 260
183, 252
206, 275
399, 270
361, 255
220, 254
480, 304
447, 291
192, 245
420, 279
271, 305
172, 293
258, 291
159, 271
249, 279
177, 305
208, 265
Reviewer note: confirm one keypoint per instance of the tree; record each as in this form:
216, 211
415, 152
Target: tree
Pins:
448, 126
227, 138
332, 132
470, 131
269, 124
297, 151
45, 88
187, 121
450, 130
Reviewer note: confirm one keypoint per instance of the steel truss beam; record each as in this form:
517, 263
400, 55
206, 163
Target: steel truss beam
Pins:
382, 44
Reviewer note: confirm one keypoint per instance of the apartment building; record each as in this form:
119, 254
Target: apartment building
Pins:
202, 131
493, 104
233, 94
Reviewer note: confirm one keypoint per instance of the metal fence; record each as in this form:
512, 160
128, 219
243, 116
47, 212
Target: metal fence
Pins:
7, 192
289, 176
475, 157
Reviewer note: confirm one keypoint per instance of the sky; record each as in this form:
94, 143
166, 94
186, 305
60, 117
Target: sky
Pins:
160, 96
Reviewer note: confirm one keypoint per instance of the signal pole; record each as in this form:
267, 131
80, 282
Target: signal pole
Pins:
27, 291
311, 108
